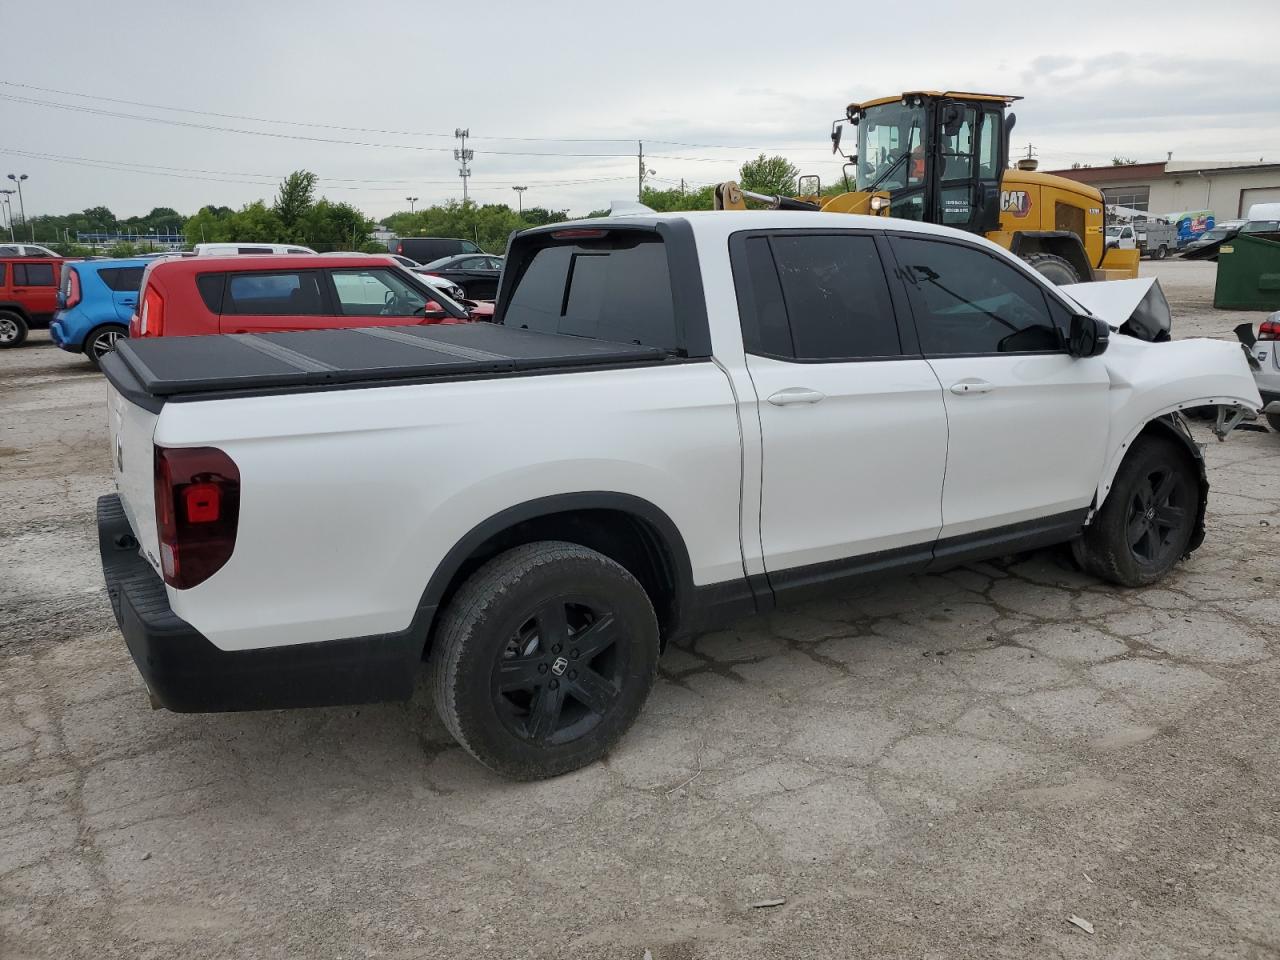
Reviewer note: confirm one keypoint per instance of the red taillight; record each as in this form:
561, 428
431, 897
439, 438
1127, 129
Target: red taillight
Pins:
73, 287
579, 234
197, 512
399, 248
151, 316
1269, 330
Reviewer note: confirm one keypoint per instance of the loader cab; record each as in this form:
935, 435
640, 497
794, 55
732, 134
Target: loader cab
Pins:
940, 155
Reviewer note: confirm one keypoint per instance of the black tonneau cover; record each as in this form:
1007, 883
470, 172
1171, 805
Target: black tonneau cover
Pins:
148, 371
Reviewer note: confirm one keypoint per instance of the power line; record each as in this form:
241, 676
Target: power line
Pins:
267, 179
351, 129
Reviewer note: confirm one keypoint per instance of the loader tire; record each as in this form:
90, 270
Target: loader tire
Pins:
1057, 270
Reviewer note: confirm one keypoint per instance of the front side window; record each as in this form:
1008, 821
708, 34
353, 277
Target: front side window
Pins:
285, 294
33, 275
989, 146
967, 301
377, 292
819, 298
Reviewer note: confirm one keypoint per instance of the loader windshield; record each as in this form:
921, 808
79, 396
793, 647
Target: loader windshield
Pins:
890, 147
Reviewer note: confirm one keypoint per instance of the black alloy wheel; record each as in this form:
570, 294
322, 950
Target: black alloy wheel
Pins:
543, 658
561, 672
1159, 509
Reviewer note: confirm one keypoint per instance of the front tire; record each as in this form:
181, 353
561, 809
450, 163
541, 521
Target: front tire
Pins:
544, 658
1056, 269
1147, 521
13, 329
1274, 420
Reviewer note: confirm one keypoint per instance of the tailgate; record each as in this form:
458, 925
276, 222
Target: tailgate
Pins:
133, 466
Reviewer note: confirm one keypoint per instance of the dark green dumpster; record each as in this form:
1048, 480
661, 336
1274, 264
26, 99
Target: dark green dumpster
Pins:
1249, 273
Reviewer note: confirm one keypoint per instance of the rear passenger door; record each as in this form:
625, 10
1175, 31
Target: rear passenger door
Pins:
35, 286
123, 282
1028, 422
852, 424
262, 302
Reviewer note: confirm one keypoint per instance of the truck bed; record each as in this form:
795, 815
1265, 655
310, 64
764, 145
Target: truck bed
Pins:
151, 372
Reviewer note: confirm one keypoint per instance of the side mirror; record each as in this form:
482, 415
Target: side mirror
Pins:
1111, 243
952, 120
1089, 336
837, 131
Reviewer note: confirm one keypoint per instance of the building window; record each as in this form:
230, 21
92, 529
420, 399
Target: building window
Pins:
1135, 198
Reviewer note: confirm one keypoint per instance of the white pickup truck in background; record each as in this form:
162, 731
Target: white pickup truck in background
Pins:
675, 420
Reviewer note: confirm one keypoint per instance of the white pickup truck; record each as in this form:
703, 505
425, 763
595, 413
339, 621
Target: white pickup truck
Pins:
675, 420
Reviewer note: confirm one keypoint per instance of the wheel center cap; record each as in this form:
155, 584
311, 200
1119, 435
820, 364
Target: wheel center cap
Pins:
560, 666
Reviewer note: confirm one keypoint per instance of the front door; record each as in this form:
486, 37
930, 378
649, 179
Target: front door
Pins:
1027, 421
851, 419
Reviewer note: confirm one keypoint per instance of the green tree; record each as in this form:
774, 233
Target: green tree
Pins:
773, 175
292, 203
328, 226
666, 201
255, 223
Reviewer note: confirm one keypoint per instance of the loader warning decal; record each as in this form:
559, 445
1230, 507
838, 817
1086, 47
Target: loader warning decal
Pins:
1016, 202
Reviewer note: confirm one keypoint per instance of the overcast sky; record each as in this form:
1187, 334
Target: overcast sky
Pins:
723, 81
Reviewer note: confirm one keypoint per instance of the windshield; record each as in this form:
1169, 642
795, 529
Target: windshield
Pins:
890, 152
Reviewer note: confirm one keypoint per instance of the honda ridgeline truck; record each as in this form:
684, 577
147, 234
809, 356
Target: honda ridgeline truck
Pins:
675, 420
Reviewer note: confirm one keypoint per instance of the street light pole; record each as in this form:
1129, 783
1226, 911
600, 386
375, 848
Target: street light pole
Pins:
519, 200
412, 201
22, 207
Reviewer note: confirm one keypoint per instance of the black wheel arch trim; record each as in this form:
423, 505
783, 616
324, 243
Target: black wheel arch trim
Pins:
695, 607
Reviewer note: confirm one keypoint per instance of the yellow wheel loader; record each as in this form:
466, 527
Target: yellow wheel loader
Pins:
944, 158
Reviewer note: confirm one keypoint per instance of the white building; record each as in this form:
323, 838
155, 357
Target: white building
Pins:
1228, 189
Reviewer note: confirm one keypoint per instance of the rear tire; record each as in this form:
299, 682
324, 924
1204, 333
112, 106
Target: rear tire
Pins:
13, 329
543, 659
1161, 252
1056, 269
102, 341
1147, 520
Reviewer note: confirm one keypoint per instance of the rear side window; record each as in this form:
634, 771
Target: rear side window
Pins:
286, 294
298, 250
617, 289
33, 275
4, 269
819, 298
254, 250
122, 279
968, 301
210, 286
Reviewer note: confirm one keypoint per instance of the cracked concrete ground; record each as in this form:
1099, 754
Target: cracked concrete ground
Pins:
943, 766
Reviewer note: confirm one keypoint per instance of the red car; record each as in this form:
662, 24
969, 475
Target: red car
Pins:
263, 294
28, 295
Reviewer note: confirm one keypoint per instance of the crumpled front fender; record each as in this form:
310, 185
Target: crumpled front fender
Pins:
1153, 380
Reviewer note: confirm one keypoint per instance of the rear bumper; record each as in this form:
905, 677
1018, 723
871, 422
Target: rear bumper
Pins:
60, 335
188, 674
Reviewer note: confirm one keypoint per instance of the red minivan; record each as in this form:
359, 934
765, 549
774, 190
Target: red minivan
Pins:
264, 294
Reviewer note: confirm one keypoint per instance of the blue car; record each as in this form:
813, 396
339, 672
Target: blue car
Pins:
95, 301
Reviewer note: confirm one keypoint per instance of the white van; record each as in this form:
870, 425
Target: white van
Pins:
234, 249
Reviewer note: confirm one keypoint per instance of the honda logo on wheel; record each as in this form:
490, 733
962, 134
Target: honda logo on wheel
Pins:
560, 666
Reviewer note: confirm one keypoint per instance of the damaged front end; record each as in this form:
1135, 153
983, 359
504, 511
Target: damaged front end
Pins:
1136, 308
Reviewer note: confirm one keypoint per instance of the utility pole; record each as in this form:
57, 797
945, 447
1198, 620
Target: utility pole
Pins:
5, 195
643, 172
412, 201
520, 199
682, 188
22, 207
463, 156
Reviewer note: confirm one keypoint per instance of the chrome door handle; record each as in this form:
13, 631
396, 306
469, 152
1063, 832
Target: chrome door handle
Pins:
972, 385
792, 395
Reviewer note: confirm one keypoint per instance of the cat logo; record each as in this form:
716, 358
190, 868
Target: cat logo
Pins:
1016, 202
